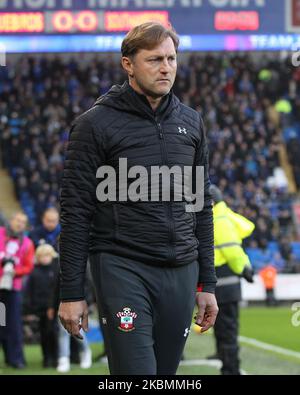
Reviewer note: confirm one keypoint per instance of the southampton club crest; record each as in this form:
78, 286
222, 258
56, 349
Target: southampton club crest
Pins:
126, 319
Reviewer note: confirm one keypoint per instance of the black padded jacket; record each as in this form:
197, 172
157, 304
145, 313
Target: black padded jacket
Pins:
122, 124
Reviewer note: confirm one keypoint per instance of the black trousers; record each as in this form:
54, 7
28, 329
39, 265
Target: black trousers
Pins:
226, 332
49, 339
145, 312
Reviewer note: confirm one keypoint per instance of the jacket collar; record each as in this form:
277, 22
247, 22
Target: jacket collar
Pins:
142, 101
125, 98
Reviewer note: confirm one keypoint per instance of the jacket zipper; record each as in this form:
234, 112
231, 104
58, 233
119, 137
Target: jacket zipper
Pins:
168, 207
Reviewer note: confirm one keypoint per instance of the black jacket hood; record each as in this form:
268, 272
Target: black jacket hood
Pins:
125, 98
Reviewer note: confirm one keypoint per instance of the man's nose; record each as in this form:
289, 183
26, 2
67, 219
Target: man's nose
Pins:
165, 66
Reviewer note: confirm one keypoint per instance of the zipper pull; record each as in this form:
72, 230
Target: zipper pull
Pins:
160, 131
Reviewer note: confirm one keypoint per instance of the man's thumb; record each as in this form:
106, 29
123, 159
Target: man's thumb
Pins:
200, 316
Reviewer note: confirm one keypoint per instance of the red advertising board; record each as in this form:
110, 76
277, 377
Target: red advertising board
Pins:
292, 15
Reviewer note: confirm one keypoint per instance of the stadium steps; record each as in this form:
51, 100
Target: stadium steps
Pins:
8, 200
285, 164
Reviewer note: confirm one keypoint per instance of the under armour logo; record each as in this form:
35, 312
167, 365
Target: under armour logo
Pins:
104, 321
182, 130
186, 332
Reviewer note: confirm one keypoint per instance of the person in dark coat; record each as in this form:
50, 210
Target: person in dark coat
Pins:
36, 301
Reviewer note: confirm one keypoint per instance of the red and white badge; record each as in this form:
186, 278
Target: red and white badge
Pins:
126, 319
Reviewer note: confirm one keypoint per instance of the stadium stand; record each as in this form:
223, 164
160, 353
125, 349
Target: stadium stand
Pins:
251, 111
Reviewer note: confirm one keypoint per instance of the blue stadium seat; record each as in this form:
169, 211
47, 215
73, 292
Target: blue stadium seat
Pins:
296, 249
273, 246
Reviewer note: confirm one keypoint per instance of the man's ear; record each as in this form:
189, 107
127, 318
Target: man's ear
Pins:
127, 65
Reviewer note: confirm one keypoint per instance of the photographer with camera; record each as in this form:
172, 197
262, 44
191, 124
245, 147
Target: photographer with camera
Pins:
16, 261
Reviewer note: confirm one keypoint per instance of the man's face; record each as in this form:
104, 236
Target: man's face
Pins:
154, 70
18, 223
50, 220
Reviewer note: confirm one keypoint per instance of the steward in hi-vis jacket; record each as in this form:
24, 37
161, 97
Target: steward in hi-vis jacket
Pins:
231, 263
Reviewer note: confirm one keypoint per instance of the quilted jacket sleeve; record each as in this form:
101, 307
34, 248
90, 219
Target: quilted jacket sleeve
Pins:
205, 229
85, 153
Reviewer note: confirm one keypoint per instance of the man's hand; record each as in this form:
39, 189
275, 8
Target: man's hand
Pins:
30, 318
207, 310
248, 274
74, 316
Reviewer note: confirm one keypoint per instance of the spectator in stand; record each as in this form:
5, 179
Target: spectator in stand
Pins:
285, 247
48, 232
16, 261
293, 148
262, 233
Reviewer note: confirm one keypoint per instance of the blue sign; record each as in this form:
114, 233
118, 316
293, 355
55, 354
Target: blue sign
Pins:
105, 43
100, 25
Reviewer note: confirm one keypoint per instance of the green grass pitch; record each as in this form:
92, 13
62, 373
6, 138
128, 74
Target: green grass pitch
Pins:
268, 325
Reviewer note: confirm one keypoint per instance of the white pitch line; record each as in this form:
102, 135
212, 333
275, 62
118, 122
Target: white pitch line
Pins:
216, 363
269, 347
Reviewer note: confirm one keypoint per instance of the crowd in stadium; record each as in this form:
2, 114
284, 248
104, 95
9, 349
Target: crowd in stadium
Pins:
238, 97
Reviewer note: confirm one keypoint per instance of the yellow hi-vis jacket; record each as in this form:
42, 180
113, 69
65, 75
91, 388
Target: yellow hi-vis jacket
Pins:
230, 229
